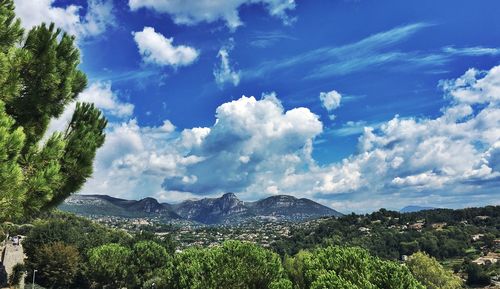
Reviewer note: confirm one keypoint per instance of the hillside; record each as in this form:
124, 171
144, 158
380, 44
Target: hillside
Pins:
225, 209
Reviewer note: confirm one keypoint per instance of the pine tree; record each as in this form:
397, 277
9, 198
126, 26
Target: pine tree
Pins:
85, 134
39, 77
11, 175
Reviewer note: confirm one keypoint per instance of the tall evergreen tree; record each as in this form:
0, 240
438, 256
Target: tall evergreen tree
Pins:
11, 175
83, 136
39, 77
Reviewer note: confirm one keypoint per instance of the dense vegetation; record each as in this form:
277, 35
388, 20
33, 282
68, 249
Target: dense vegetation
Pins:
72, 252
38, 80
95, 256
443, 234
447, 235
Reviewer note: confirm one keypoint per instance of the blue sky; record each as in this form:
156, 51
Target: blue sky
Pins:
357, 104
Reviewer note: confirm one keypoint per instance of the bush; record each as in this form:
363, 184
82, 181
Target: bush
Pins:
344, 267
57, 265
232, 265
281, 284
17, 274
430, 273
476, 275
149, 260
109, 266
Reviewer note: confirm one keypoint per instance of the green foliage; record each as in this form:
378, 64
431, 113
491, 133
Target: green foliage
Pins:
17, 274
149, 261
281, 284
50, 79
331, 280
113, 259
430, 273
476, 275
108, 266
42, 172
343, 267
389, 236
85, 134
166, 241
428, 242
245, 265
57, 265
39, 77
10, 27
194, 268
408, 248
10, 56
11, 175
73, 231
294, 267
233, 265
109, 258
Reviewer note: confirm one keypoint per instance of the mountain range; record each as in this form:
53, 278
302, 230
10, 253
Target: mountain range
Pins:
412, 209
223, 210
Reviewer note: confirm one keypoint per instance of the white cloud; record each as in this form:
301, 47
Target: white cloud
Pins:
101, 94
192, 138
131, 162
374, 50
424, 180
472, 88
454, 156
157, 49
330, 101
224, 72
250, 139
263, 39
195, 11
135, 160
352, 128
103, 97
472, 51
257, 148
99, 16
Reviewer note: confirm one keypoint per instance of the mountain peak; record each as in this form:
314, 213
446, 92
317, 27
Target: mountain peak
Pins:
229, 196
413, 208
149, 200
225, 209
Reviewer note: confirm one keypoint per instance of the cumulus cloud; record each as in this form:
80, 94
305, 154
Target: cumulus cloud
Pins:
454, 156
252, 141
157, 49
250, 138
257, 148
473, 88
103, 97
101, 94
191, 12
330, 101
224, 73
99, 16
134, 160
